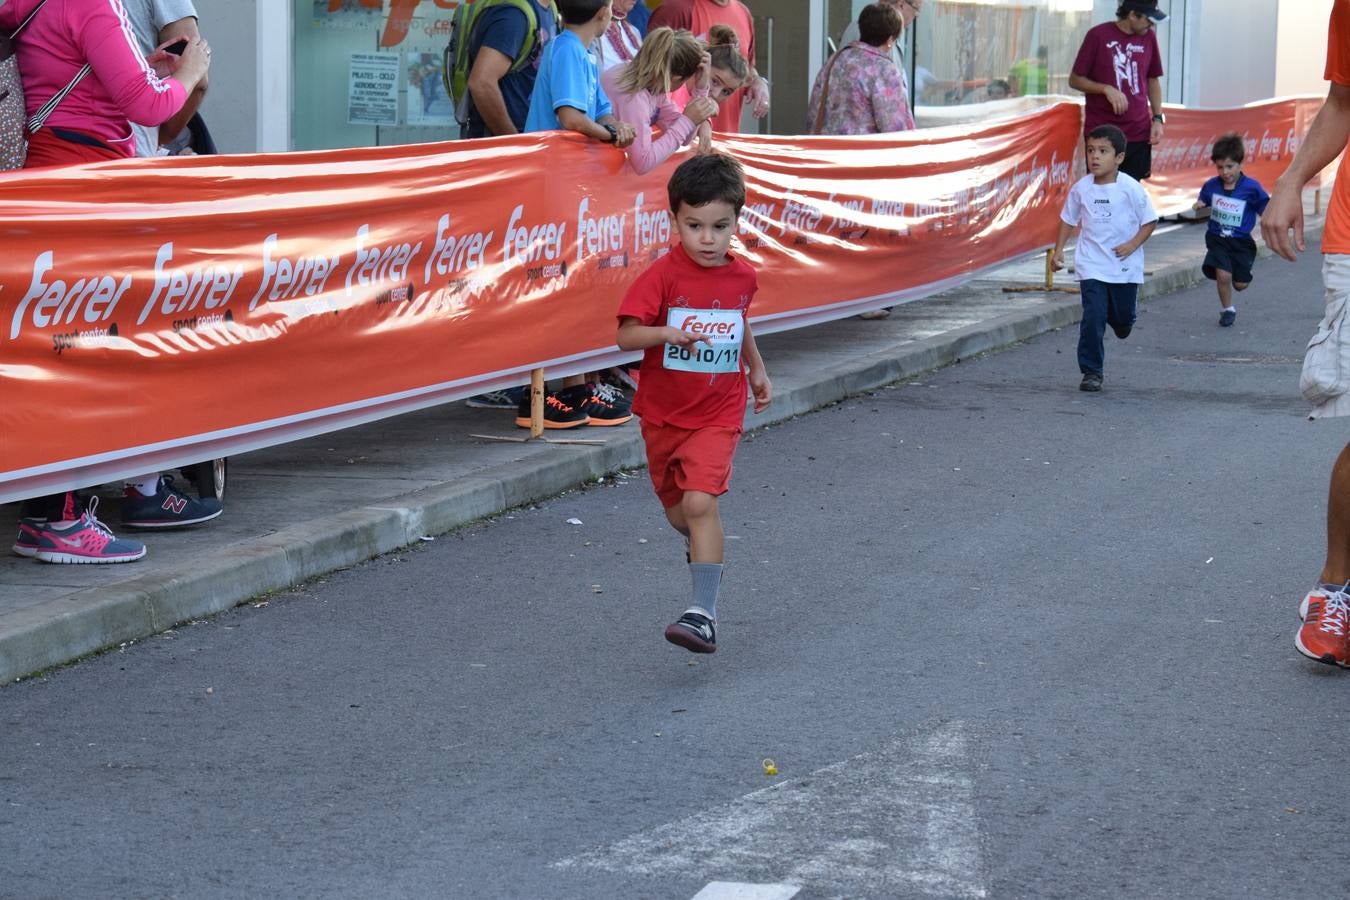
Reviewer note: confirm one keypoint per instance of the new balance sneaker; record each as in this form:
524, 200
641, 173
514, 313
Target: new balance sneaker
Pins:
606, 404
86, 540
30, 537
1323, 634
693, 631
1227, 317
1091, 382
557, 412
168, 508
507, 399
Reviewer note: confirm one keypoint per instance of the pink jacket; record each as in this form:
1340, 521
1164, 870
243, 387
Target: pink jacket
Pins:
642, 110
63, 36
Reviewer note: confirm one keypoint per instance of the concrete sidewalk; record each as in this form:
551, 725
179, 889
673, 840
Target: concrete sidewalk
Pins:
300, 510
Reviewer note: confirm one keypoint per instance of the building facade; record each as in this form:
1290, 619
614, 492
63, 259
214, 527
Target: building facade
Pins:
320, 74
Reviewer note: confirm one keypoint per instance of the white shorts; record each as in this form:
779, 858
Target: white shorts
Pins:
1325, 381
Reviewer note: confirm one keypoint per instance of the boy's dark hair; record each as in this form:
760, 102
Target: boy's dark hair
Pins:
1110, 133
579, 12
1229, 146
878, 23
700, 180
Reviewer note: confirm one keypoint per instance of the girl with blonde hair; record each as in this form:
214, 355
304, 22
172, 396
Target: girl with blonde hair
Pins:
640, 94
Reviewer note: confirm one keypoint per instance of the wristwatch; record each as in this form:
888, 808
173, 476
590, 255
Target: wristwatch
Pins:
613, 133
1160, 118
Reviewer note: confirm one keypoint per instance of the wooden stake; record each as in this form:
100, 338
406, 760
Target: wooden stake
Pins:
1049, 270
536, 403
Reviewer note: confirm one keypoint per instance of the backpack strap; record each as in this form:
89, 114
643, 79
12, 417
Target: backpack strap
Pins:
531, 30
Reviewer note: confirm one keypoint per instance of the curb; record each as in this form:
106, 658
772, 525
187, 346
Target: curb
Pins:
84, 622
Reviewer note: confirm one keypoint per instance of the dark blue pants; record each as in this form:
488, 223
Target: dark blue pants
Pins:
1104, 303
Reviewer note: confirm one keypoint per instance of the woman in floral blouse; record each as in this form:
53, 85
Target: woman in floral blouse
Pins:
860, 91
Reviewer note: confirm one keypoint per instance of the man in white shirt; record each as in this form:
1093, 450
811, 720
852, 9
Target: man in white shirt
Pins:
156, 23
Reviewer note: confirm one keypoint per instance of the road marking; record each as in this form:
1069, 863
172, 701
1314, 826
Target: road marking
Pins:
893, 821
735, 890
1165, 229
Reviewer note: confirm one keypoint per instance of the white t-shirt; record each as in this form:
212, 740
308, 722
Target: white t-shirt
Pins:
1109, 215
146, 18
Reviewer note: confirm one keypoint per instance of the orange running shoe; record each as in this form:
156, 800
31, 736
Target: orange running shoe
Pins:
1326, 615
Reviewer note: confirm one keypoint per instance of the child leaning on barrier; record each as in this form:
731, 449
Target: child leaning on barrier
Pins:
1235, 200
1114, 217
688, 312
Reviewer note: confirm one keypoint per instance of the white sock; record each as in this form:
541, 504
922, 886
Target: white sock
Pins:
1230, 309
147, 485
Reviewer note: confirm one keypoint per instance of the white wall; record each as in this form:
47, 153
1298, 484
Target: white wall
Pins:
1301, 47
1233, 65
231, 108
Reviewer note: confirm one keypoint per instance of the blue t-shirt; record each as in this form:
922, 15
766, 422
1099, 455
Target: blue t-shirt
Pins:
639, 16
503, 28
1233, 213
567, 77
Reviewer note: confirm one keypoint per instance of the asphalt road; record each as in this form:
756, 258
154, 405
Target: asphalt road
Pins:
1000, 639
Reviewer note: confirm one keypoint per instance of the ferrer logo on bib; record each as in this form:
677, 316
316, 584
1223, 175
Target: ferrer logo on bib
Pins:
1228, 211
725, 327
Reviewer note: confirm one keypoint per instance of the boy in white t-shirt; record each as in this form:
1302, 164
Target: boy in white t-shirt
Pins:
1114, 217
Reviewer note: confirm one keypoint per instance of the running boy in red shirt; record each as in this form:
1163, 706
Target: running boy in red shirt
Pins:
689, 313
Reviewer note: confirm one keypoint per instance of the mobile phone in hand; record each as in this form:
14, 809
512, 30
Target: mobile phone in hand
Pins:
177, 47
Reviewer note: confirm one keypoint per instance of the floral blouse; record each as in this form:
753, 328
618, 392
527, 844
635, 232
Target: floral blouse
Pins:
866, 96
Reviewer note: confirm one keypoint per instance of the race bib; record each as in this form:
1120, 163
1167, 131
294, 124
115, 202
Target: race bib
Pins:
725, 327
1228, 211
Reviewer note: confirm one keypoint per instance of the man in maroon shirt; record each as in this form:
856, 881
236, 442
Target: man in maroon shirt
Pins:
1119, 69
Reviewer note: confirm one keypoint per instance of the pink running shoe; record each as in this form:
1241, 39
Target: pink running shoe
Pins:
30, 537
86, 541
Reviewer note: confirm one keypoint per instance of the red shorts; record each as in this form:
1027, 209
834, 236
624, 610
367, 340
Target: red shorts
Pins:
684, 459
46, 149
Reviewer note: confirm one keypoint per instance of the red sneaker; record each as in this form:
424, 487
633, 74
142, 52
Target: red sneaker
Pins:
1326, 615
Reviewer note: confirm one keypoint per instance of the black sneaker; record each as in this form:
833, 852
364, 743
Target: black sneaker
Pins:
1227, 317
557, 412
1091, 382
693, 631
168, 508
607, 405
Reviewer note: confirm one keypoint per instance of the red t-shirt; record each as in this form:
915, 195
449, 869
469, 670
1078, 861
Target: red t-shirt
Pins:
699, 16
1336, 236
1125, 62
701, 385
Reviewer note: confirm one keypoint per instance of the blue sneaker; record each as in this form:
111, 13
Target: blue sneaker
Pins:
507, 399
168, 508
1227, 317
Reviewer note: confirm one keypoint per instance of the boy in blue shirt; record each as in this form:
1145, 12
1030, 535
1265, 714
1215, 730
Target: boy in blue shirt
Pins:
1235, 200
567, 93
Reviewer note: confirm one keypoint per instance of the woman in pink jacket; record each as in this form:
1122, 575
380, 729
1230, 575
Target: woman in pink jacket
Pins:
639, 92
91, 122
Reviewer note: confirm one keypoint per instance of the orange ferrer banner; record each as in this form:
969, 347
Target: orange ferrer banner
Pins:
155, 313
1271, 132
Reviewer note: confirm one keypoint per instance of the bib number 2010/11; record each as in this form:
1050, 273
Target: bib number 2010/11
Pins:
702, 358
724, 327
